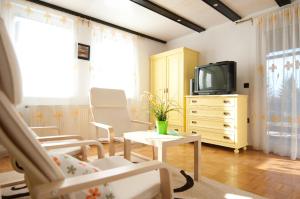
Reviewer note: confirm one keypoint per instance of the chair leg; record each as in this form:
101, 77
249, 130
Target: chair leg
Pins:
84, 153
165, 183
111, 147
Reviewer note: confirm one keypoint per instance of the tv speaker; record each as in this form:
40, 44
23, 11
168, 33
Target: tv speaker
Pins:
192, 86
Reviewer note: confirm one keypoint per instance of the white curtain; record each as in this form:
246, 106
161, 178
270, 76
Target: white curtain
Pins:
276, 91
114, 63
45, 45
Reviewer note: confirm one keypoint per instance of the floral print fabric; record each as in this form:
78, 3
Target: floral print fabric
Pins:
72, 167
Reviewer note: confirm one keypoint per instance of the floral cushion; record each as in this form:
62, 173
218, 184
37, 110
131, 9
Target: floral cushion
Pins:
73, 167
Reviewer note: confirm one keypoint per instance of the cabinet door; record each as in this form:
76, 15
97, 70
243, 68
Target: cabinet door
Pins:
158, 76
158, 79
175, 86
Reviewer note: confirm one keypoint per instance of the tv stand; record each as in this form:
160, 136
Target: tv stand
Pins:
219, 119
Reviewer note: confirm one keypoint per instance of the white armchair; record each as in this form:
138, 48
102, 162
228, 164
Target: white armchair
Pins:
111, 116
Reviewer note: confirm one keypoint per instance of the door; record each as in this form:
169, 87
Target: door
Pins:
175, 87
158, 78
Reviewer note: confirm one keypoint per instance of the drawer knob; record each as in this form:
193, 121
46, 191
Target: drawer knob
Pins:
226, 137
226, 113
226, 101
194, 122
194, 111
226, 125
194, 101
194, 132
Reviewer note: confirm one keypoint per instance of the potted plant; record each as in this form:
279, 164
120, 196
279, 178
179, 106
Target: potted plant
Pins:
160, 109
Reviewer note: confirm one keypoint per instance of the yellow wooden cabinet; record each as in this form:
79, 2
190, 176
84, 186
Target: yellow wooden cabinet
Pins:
170, 74
219, 119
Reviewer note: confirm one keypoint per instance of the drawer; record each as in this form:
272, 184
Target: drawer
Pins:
210, 134
211, 123
212, 101
175, 128
219, 112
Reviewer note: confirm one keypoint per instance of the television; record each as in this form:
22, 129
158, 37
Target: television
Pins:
217, 78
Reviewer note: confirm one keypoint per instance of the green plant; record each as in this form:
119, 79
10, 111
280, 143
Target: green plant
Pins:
159, 107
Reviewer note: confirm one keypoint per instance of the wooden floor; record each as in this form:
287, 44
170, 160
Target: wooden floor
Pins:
266, 175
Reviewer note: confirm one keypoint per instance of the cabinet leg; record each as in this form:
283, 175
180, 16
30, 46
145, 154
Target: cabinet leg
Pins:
245, 148
236, 151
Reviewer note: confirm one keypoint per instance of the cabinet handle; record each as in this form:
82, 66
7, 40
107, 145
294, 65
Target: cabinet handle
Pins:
226, 113
226, 125
176, 130
167, 90
194, 122
194, 101
226, 101
194, 132
194, 111
226, 137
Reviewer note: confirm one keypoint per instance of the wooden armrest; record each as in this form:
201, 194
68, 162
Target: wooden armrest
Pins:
59, 137
69, 185
82, 143
102, 126
44, 127
141, 122
111, 134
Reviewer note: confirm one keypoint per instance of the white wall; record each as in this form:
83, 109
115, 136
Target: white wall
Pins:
226, 42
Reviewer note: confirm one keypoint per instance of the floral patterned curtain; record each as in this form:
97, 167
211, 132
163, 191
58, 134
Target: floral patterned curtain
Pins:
276, 89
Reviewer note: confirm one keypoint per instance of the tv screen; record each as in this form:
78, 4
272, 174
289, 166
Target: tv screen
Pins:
215, 78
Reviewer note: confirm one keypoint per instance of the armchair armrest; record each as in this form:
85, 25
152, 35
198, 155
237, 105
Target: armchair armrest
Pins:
83, 143
111, 134
69, 185
59, 138
44, 127
142, 122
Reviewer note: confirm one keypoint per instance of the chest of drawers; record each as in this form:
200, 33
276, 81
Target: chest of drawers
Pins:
219, 119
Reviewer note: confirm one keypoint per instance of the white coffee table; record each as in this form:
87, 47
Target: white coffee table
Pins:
161, 142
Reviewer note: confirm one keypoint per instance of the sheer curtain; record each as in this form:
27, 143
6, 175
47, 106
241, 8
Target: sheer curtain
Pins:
45, 46
45, 43
276, 91
114, 63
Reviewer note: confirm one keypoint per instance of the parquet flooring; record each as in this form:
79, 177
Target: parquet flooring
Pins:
270, 175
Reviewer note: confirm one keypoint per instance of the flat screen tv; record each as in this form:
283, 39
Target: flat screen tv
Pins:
217, 78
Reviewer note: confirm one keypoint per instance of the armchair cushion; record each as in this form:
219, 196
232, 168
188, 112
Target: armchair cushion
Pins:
72, 167
146, 185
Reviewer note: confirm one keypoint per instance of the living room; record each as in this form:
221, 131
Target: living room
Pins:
205, 92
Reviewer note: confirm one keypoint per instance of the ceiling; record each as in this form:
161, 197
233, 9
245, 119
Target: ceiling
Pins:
132, 16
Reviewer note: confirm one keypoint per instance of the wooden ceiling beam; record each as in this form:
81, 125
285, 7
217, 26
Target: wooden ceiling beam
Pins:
283, 2
168, 14
223, 9
71, 12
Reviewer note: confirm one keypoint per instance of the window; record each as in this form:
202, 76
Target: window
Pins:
114, 61
46, 56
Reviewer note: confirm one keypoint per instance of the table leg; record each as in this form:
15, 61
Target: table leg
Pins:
161, 154
127, 149
154, 149
197, 159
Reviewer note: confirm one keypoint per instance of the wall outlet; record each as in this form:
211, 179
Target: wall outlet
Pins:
246, 85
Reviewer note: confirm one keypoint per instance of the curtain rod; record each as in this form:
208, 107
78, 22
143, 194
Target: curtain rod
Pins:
71, 12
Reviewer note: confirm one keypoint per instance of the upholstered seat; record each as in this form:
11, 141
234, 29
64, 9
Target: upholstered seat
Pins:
141, 186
